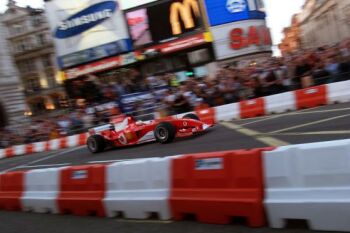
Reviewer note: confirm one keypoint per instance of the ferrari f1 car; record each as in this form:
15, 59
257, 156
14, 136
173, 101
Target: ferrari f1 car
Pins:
130, 132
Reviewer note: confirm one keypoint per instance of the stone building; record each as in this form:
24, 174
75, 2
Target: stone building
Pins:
32, 49
324, 22
12, 102
291, 40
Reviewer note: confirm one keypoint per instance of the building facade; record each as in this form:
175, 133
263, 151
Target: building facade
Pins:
32, 50
12, 101
291, 40
324, 22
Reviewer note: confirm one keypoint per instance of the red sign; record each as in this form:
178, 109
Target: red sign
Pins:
239, 38
177, 45
99, 66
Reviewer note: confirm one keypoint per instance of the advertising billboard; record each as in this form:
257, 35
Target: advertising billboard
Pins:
227, 11
164, 21
87, 30
241, 38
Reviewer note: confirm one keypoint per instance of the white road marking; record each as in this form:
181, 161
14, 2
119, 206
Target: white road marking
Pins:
308, 124
48, 165
270, 141
53, 155
339, 132
110, 161
261, 120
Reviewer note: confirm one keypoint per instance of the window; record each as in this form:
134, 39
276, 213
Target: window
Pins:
41, 39
46, 61
36, 21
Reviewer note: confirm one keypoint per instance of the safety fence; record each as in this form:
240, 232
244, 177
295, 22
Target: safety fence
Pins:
288, 101
265, 186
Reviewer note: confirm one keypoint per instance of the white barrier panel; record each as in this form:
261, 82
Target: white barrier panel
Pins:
227, 112
2, 153
280, 103
311, 182
54, 144
41, 190
19, 150
339, 92
139, 188
73, 141
39, 147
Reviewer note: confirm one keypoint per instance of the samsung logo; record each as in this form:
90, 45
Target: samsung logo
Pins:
86, 19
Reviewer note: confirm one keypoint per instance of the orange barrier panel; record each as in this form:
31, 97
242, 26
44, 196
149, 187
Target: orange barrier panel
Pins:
218, 186
82, 139
206, 114
63, 143
11, 189
82, 190
311, 97
29, 149
9, 152
252, 108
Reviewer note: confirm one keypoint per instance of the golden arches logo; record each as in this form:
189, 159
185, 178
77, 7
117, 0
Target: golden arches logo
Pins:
184, 11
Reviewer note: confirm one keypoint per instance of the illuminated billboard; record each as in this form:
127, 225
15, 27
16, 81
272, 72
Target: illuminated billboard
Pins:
87, 30
227, 11
164, 21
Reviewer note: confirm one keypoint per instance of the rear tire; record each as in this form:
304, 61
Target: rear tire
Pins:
165, 132
191, 116
96, 144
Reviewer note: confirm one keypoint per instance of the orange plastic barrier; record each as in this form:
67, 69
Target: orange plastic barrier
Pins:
218, 186
206, 114
311, 97
9, 152
252, 108
11, 189
29, 149
82, 139
82, 190
63, 143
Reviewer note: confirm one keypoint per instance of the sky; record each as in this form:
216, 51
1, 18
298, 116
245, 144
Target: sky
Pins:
279, 13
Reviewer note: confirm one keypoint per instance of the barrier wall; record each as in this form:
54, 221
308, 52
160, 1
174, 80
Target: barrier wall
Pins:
216, 187
290, 101
82, 189
138, 189
307, 181
310, 182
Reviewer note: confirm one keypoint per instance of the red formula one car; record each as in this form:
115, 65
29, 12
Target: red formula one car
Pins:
130, 132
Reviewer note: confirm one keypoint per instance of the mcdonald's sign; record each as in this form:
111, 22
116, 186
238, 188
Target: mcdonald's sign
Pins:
164, 21
183, 11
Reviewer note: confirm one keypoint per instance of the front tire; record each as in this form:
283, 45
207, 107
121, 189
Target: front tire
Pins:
96, 144
165, 132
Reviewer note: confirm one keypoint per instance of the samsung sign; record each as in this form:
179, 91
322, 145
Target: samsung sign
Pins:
85, 19
87, 30
227, 11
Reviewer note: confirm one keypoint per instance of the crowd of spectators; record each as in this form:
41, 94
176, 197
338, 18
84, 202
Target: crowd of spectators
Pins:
301, 69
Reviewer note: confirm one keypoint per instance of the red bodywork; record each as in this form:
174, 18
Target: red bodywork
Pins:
125, 131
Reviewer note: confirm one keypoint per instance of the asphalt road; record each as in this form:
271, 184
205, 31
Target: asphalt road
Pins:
12, 222
313, 125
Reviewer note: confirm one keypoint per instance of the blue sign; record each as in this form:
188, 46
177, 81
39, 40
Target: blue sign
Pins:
86, 19
95, 53
227, 11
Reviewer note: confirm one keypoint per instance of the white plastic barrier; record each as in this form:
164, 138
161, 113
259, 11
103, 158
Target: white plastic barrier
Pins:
54, 144
139, 188
73, 141
339, 92
280, 103
2, 153
227, 112
41, 190
19, 150
311, 182
39, 147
